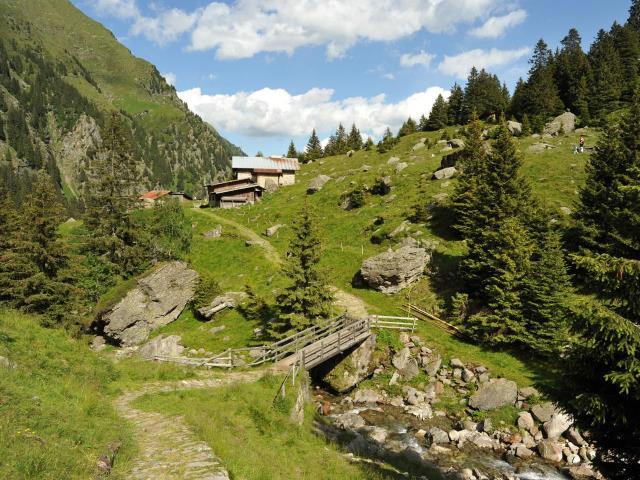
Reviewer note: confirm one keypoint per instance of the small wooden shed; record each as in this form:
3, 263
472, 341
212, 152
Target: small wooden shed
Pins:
234, 193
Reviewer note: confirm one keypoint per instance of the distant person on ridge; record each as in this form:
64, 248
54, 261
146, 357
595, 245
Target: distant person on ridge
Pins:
581, 143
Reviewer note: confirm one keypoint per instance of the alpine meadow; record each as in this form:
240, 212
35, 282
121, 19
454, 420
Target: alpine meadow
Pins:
437, 278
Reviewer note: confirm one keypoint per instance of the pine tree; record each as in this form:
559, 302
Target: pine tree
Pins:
114, 233
581, 104
456, 105
341, 146
423, 124
571, 66
438, 117
627, 44
292, 152
308, 298
368, 145
526, 126
408, 127
606, 79
314, 148
634, 16
354, 140
518, 104
8, 226
542, 98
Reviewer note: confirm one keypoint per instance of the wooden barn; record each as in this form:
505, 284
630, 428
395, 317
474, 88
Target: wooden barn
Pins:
234, 193
268, 172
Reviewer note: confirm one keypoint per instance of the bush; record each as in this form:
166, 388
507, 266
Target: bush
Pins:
208, 289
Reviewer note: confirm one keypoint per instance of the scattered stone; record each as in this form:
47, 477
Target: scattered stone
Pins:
157, 300
457, 363
365, 168
394, 378
574, 435
445, 173
565, 122
6, 363
480, 439
350, 153
393, 160
494, 394
217, 329
418, 146
432, 365
401, 166
539, 147
366, 396
523, 452
271, 231
162, 346
422, 412
317, 183
454, 436
456, 143
98, 343
215, 233
543, 411
392, 271
527, 392
228, 300
565, 210
349, 421
525, 421
407, 365
550, 450
515, 128
437, 435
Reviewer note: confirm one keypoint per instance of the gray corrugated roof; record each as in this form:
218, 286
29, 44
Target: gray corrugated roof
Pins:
274, 163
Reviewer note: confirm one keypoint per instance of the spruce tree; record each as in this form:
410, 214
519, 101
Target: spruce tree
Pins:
456, 105
354, 140
314, 148
113, 231
368, 145
408, 127
526, 126
423, 123
542, 97
634, 16
572, 65
8, 226
438, 117
341, 146
606, 76
308, 298
292, 152
518, 104
627, 44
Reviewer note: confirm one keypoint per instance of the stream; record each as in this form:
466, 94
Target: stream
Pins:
390, 435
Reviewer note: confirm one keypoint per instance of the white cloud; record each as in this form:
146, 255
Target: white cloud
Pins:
409, 60
459, 65
244, 28
124, 9
165, 27
276, 112
496, 27
170, 78
389, 76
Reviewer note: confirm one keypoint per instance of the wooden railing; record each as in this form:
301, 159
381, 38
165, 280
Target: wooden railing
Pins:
424, 315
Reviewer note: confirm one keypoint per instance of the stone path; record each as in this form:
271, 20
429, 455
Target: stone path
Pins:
169, 450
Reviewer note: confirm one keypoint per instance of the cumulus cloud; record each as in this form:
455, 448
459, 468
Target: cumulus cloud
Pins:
276, 112
496, 27
459, 65
170, 78
409, 60
244, 28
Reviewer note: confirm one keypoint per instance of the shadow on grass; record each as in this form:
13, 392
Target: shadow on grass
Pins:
441, 222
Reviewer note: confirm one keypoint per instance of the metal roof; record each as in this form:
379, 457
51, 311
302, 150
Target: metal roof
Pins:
274, 163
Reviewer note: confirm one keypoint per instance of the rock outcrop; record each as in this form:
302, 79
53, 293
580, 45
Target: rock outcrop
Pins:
514, 127
445, 173
271, 231
156, 300
494, 394
354, 367
565, 123
162, 346
317, 183
228, 300
393, 271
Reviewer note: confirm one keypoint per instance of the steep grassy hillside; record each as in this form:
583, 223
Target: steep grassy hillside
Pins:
415, 201
62, 72
56, 414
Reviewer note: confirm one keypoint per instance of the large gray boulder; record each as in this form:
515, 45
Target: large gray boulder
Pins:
162, 346
550, 450
494, 394
565, 122
156, 300
407, 365
393, 271
228, 300
514, 127
544, 411
445, 173
354, 367
317, 183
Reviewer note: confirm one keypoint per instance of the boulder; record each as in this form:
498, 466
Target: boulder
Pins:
418, 146
162, 346
539, 147
432, 365
565, 122
401, 166
523, 452
228, 300
421, 412
514, 127
349, 421
456, 363
392, 271
550, 450
365, 168
437, 435
354, 366
456, 143
445, 173
317, 183
494, 394
393, 160
574, 436
543, 411
526, 422
214, 233
480, 439
527, 392
407, 365
271, 231
366, 396
157, 300
350, 153
557, 425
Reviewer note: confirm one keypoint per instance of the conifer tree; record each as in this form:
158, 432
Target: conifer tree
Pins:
518, 104
8, 225
526, 126
581, 104
572, 66
308, 298
341, 145
368, 145
354, 140
606, 79
314, 148
292, 152
438, 117
456, 104
114, 233
634, 16
408, 127
542, 98
627, 44
423, 124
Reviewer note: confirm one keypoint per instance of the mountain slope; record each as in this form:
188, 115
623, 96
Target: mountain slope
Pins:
62, 72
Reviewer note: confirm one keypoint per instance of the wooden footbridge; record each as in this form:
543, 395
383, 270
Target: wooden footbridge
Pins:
308, 348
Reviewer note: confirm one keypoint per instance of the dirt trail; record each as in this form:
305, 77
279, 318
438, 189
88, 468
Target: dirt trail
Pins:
350, 303
169, 450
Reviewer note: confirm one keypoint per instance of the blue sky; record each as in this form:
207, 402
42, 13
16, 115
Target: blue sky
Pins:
264, 72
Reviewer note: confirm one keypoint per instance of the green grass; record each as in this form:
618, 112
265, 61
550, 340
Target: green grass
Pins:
254, 439
56, 414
